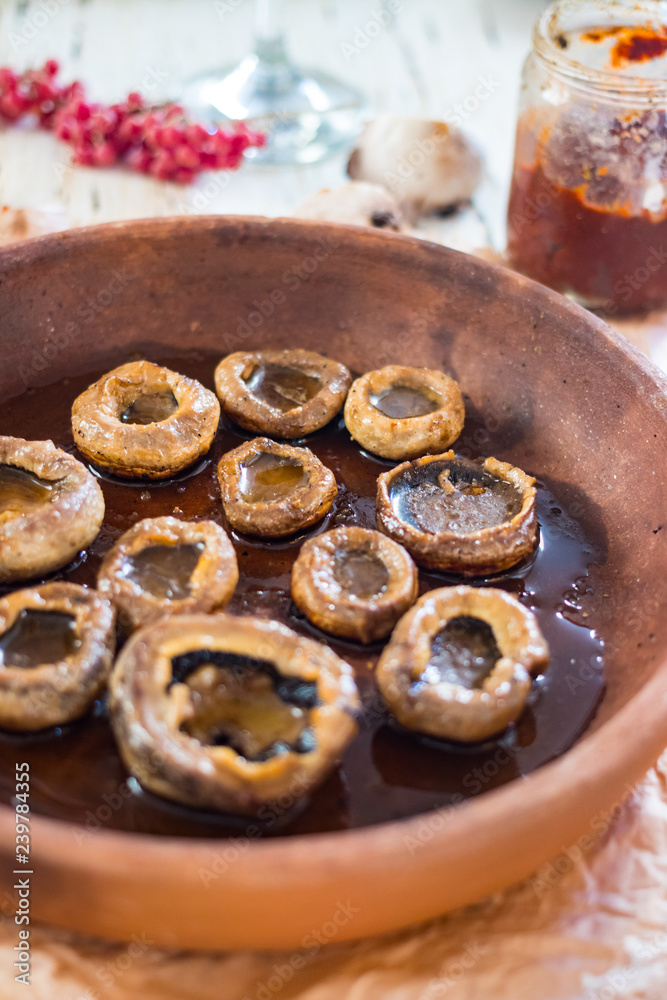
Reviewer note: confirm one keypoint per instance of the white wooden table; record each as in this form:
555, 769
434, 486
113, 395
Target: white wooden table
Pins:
428, 60
416, 65
576, 942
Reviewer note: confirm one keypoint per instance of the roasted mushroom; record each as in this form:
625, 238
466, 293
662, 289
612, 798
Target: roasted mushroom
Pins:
459, 664
285, 394
274, 489
56, 650
427, 165
163, 566
401, 412
354, 582
356, 204
230, 713
459, 515
50, 508
144, 420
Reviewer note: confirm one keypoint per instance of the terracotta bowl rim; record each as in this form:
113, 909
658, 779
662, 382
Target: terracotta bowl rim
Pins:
29, 248
635, 729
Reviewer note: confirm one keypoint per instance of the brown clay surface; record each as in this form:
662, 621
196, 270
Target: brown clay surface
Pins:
548, 388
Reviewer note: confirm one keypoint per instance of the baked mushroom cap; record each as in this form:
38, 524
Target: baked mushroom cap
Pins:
459, 663
230, 713
459, 515
285, 394
355, 204
56, 650
163, 566
401, 412
273, 489
144, 420
354, 582
427, 165
51, 507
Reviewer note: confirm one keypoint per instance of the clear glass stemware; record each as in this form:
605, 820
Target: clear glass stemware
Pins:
306, 114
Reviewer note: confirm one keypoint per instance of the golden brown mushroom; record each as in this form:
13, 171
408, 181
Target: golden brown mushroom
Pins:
354, 582
56, 651
459, 664
144, 420
51, 507
284, 394
401, 412
163, 566
274, 489
459, 515
230, 713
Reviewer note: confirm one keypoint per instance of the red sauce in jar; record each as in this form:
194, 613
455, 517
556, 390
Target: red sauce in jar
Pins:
588, 205
607, 256
639, 45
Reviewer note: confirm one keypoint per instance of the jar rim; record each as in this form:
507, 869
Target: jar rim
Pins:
606, 83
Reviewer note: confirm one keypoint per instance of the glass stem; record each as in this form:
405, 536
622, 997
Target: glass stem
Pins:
270, 16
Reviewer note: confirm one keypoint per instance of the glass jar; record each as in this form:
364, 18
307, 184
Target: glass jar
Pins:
588, 204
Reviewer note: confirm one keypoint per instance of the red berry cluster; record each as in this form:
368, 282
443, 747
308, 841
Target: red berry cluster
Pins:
160, 141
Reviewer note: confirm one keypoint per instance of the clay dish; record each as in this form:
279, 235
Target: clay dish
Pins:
547, 386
